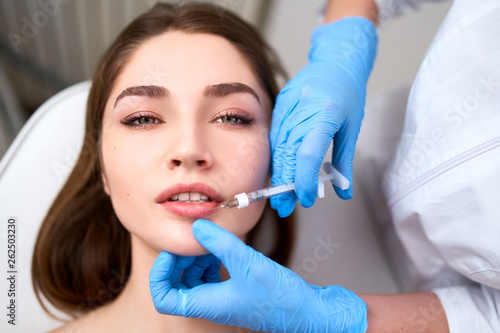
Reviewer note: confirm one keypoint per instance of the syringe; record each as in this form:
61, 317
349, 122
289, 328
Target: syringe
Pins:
242, 200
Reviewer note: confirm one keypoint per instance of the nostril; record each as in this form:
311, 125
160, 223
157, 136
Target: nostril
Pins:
199, 163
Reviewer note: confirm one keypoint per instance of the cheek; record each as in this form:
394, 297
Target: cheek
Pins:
247, 160
127, 160
249, 168
117, 165
129, 172
124, 167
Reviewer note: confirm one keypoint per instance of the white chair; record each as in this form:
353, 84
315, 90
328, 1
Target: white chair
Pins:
32, 172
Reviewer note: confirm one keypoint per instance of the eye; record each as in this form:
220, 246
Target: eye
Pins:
229, 119
233, 118
141, 120
146, 120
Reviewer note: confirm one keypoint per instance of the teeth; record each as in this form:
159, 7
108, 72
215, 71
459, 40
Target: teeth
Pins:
190, 197
183, 196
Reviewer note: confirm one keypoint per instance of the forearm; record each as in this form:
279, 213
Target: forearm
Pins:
412, 312
338, 9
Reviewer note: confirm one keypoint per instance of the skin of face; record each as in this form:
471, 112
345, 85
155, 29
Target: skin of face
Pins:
200, 125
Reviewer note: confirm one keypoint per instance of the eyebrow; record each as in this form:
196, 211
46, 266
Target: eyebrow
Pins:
213, 90
224, 89
147, 91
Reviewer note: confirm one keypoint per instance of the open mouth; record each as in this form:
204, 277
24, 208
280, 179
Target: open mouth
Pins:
191, 197
190, 193
189, 200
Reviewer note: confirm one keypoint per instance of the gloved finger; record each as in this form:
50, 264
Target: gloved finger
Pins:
208, 301
342, 157
278, 155
181, 263
302, 160
163, 292
284, 107
204, 269
222, 244
283, 203
310, 157
283, 173
277, 167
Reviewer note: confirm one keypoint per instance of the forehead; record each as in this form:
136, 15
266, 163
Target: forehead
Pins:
178, 58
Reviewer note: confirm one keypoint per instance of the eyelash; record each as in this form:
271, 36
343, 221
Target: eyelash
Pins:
243, 120
133, 118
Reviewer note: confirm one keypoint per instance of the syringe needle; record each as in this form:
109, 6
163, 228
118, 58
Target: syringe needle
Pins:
215, 208
227, 204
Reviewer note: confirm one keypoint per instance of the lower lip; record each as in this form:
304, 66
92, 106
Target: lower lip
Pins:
189, 209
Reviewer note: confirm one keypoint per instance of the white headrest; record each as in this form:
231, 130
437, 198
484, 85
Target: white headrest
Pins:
32, 172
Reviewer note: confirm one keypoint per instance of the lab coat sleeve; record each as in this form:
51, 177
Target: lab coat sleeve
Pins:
470, 309
388, 8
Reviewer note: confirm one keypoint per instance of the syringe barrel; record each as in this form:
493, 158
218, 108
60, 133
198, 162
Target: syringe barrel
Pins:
268, 192
244, 199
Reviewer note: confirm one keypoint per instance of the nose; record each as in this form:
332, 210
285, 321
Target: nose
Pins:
189, 149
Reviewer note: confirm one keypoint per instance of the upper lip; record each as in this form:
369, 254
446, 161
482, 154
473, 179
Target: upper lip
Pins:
189, 188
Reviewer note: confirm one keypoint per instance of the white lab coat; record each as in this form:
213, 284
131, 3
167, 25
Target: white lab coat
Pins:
443, 186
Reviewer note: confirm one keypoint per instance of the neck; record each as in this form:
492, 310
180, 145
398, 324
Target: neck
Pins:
134, 310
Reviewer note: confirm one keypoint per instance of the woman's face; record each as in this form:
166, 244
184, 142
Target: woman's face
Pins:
185, 129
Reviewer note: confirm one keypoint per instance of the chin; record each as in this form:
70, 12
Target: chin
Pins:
183, 245
190, 251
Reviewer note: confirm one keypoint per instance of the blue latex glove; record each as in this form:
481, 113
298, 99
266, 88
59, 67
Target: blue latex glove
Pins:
194, 270
324, 100
260, 295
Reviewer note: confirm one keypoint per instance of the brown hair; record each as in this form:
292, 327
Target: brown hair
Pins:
82, 255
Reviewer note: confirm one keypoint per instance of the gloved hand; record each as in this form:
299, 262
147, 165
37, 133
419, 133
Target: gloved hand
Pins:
260, 295
324, 100
194, 270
